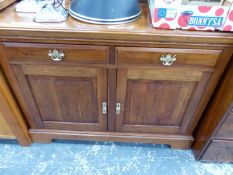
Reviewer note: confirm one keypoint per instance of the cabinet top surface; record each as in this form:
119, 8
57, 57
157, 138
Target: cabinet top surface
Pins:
14, 24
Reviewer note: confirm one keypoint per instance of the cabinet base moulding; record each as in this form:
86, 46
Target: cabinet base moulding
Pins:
175, 141
7, 137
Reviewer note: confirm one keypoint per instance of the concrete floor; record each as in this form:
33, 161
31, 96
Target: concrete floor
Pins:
102, 158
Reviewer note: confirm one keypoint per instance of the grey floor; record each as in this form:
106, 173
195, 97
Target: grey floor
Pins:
102, 158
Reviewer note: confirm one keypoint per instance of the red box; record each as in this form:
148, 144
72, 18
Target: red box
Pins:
164, 13
228, 26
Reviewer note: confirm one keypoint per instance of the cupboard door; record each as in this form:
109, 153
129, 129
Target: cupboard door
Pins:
161, 100
65, 98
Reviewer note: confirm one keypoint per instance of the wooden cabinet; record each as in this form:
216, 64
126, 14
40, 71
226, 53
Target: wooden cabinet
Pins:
71, 94
112, 83
214, 135
219, 146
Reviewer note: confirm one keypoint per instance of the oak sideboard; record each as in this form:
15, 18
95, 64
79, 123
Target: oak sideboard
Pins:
127, 82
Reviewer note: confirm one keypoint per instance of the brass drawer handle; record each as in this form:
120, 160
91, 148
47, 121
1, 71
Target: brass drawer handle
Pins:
56, 55
168, 59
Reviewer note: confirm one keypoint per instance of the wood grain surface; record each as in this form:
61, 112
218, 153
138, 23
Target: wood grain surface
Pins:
217, 123
11, 112
5, 131
140, 31
5, 3
111, 63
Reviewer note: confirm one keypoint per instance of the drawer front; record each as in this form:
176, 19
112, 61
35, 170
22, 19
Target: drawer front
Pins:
151, 56
40, 52
226, 130
219, 151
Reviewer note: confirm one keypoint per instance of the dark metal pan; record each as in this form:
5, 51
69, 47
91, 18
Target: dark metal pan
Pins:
105, 11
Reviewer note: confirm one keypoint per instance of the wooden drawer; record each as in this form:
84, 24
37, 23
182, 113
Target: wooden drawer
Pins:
219, 151
151, 56
226, 130
39, 52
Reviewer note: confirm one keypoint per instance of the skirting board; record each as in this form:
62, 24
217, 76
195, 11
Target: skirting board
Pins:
47, 135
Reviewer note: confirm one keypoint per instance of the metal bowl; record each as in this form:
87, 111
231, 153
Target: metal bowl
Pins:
105, 11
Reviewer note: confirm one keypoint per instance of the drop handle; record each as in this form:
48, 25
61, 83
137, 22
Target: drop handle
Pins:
118, 108
56, 55
167, 60
104, 108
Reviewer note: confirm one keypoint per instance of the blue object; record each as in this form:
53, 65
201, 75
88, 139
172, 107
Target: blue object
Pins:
187, 13
105, 11
162, 12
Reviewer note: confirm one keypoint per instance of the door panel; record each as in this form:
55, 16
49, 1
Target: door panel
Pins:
160, 104
164, 100
61, 97
65, 99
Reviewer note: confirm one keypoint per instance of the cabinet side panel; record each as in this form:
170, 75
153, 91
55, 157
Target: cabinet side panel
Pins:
5, 131
9, 105
215, 112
